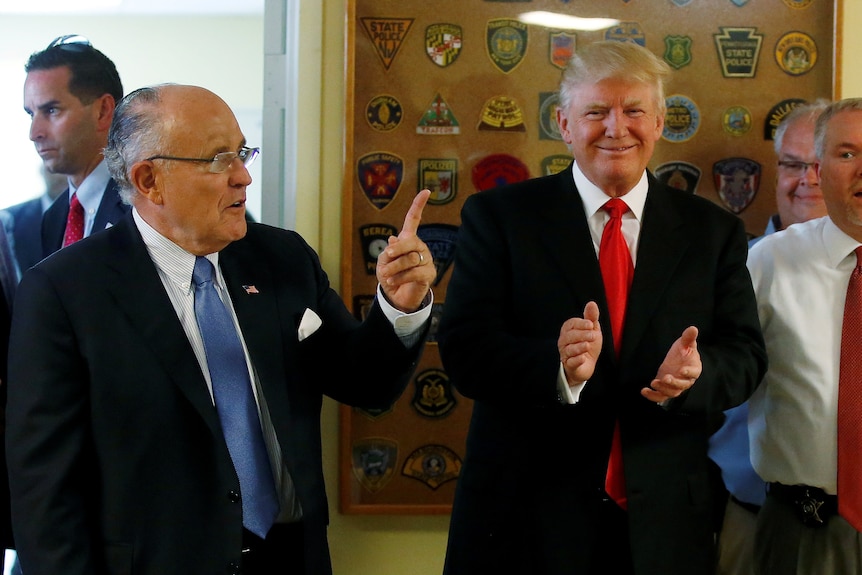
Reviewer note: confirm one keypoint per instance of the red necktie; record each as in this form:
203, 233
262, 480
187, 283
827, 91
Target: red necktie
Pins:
74, 222
850, 403
615, 261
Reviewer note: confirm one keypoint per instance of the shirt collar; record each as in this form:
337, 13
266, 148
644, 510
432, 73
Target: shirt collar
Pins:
594, 198
838, 245
92, 189
175, 262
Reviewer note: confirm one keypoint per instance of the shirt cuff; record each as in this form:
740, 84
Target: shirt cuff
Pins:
407, 326
568, 394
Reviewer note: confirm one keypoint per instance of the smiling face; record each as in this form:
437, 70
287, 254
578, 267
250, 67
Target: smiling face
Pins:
612, 127
840, 171
68, 134
200, 211
798, 196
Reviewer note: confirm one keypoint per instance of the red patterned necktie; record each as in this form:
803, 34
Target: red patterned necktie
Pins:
615, 261
74, 222
850, 403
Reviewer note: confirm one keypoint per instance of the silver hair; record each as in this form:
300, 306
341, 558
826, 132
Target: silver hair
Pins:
134, 135
803, 112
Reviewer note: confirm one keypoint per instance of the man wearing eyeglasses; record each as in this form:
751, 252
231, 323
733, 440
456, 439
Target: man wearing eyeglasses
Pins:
799, 199
70, 93
127, 451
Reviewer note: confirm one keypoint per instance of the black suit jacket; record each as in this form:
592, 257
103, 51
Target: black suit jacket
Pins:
27, 232
117, 461
111, 210
527, 498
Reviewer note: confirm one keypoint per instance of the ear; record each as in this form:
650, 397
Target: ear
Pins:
105, 105
143, 177
563, 123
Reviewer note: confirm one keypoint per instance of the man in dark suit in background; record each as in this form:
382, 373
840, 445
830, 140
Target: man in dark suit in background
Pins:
586, 452
70, 93
122, 451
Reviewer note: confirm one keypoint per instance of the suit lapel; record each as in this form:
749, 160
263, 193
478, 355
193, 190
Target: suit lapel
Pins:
252, 290
659, 253
111, 208
139, 292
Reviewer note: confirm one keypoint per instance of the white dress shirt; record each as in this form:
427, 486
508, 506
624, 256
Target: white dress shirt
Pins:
593, 199
175, 266
90, 194
800, 278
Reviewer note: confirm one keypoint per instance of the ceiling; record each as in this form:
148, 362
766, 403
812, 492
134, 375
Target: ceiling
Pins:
131, 6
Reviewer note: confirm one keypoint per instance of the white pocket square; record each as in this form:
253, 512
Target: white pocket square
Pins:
309, 324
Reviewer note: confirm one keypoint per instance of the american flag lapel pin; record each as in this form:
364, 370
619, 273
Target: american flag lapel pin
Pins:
250, 289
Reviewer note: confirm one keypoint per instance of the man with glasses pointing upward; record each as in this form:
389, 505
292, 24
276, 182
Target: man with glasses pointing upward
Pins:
168, 373
70, 93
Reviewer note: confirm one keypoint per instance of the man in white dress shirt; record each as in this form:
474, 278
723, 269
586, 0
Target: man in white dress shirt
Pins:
801, 278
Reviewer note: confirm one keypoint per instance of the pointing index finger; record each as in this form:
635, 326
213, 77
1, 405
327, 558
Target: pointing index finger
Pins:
414, 214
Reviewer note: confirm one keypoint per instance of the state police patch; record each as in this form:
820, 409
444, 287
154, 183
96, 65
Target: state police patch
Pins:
441, 240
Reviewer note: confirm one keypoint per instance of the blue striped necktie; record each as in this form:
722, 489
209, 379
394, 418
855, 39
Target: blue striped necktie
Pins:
234, 400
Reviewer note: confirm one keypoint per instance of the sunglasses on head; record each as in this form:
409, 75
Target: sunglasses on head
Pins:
71, 42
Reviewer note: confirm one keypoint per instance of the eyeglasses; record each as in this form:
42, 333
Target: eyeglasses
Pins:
221, 162
71, 43
794, 168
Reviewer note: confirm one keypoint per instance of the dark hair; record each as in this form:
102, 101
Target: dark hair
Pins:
92, 73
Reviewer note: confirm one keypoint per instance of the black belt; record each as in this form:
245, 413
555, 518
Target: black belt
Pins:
813, 506
750, 507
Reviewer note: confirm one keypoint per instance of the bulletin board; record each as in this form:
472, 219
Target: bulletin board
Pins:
459, 96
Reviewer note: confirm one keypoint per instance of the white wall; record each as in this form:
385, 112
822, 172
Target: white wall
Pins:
221, 53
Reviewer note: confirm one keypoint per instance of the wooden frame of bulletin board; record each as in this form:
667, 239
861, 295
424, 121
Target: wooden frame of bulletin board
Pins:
458, 96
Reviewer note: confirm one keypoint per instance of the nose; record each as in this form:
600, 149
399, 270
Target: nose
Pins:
36, 130
809, 176
616, 124
239, 174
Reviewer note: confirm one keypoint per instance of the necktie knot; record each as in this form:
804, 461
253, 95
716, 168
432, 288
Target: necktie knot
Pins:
202, 272
615, 207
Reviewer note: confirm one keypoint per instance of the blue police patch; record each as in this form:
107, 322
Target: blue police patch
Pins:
441, 241
380, 174
374, 462
681, 119
736, 181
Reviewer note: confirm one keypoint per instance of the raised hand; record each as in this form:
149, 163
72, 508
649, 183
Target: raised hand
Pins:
679, 370
580, 344
405, 269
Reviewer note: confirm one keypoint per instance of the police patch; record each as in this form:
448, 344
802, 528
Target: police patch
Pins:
555, 164
387, 35
433, 465
681, 2
374, 413
677, 51
736, 120
383, 113
374, 462
798, 4
776, 114
561, 46
438, 119
681, 120
498, 170
738, 51
502, 114
736, 181
626, 32
433, 397
440, 239
796, 53
506, 43
443, 43
380, 176
374, 238
440, 175
740, 3
548, 127
680, 175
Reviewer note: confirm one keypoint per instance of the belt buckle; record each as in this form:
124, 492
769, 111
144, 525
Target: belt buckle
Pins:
808, 507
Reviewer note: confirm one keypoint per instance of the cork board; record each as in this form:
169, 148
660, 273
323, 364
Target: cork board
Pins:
459, 96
